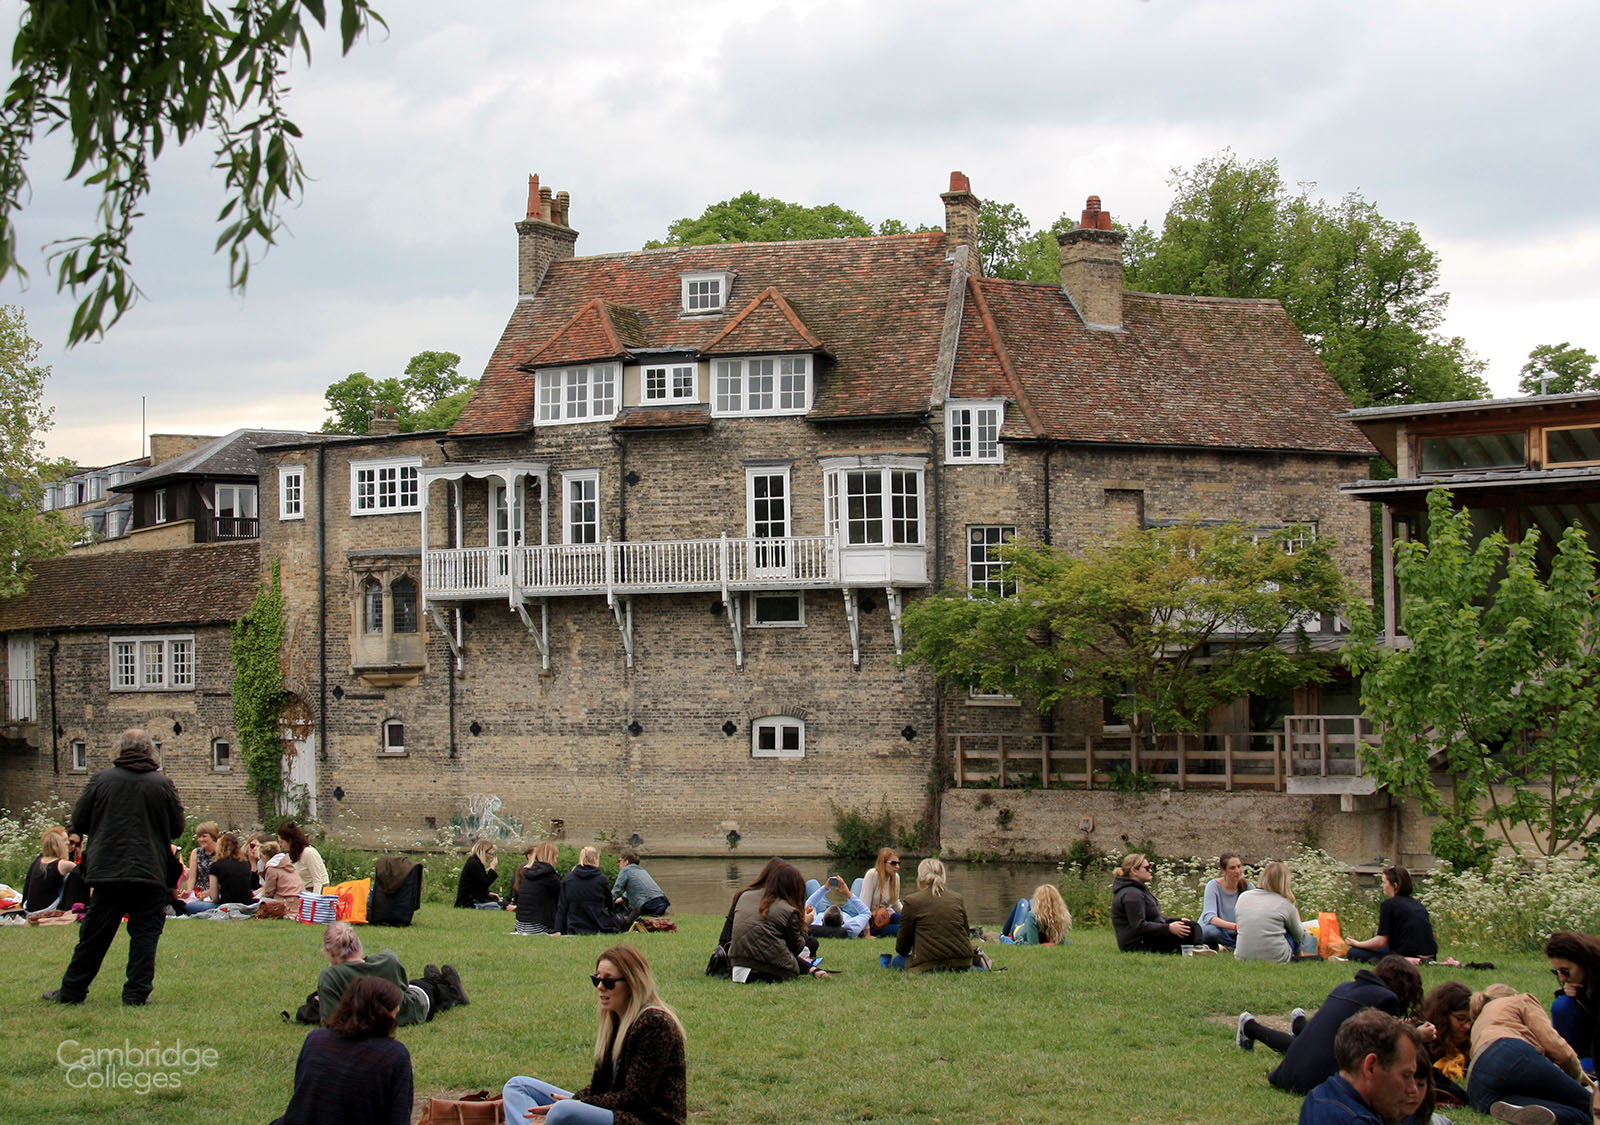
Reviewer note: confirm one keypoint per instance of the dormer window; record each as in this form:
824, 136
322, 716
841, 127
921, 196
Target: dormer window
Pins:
762, 385
705, 292
673, 382
972, 431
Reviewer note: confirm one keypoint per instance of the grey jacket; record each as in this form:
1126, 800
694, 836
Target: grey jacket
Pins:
766, 945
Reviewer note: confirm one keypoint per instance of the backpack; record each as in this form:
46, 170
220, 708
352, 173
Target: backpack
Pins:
310, 1012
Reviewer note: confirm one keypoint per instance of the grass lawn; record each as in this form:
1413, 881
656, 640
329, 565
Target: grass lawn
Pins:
1079, 1034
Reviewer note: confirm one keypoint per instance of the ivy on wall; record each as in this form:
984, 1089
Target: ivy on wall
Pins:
256, 645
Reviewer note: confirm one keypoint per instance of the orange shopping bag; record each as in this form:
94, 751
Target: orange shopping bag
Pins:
352, 898
1329, 943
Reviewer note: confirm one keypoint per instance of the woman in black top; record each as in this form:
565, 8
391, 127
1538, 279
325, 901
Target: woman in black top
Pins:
585, 904
41, 889
230, 874
536, 891
1404, 928
353, 1070
477, 876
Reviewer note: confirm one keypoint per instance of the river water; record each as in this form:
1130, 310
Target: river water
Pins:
705, 886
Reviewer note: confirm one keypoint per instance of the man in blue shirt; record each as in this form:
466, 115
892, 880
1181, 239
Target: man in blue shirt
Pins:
1377, 1079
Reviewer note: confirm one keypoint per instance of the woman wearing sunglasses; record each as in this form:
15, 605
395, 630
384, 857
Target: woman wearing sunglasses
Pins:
639, 1073
880, 890
1136, 915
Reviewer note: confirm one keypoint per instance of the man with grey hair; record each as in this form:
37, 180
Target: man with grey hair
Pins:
439, 990
131, 814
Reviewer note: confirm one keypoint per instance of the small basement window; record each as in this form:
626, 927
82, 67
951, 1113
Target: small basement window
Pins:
394, 737
785, 610
80, 754
221, 756
778, 736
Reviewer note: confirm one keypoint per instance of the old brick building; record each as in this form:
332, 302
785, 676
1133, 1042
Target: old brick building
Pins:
651, 582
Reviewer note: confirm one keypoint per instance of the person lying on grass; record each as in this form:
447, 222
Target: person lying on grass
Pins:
353, 1071
640, 1076
438, 990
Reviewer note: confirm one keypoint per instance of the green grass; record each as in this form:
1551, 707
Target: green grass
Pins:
1079, 1034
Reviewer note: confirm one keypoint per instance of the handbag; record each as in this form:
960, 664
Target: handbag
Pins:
271, 908
1329, 942
319, 909
469, 1109
719, 965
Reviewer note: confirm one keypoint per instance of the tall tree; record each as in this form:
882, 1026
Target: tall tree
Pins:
429, 396
1497, 694
755, 218
125, 79
1131, 619
1559, 369
1364, 289
26, 533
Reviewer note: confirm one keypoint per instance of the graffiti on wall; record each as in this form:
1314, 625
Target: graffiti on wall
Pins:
481, 818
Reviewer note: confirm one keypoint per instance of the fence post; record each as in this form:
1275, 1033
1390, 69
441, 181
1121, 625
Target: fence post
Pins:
961, 763
1002, 761
1280, 743
1088, 761
1322, 727
1044, 759
1183, 762
1227, 762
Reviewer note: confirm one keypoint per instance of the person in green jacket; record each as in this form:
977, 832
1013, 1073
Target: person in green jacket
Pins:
438, 990
933, 925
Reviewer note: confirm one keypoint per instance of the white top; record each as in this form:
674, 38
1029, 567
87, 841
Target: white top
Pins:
1266, 922
870, 893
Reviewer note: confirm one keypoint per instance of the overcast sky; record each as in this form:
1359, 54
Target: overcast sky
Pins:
1476, 121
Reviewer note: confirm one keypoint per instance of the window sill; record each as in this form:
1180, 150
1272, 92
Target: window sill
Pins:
394, 754
993, 701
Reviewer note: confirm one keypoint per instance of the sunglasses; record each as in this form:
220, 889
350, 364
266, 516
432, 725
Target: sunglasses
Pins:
894, 863
607, 983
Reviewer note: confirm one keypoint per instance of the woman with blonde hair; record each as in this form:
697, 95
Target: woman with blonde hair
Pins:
477, 876
47, 874
1048, 918
197, 872
640, 1074
536, 890
880, 890
1136, 915
933, 926
585, 903
1269, 921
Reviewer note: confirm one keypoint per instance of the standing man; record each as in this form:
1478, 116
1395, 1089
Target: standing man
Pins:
1218, 921
132, 814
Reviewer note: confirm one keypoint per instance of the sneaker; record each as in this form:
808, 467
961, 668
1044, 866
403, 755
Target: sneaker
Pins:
1245, 1042
127, 1003
430, 972
55, 997
1522, 1114
1297, 1021
452, 981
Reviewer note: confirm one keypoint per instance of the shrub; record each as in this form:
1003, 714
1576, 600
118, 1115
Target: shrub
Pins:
860, 832
1512, 904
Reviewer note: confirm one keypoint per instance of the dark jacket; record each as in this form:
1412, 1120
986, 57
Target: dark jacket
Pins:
585, 903
933, 932
130, 817
1135, 914
648, 1085
473, 886
352, 1081
769, 945
1309, 1061
1335, 1102
538, 894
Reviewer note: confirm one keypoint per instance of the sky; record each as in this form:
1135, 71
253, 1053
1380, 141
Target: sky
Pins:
1473, 120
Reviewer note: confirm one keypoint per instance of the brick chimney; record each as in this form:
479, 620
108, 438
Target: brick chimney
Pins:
1091, 268
961, 209
543, 236
383, 422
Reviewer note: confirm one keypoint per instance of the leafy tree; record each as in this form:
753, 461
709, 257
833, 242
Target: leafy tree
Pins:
1132, 618
1497, 689
125, 79
430, 396
1363, 288
1567, 368
26, 533
755, 218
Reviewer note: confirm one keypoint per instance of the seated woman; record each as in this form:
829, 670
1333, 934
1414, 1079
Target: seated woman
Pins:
197, 872
585, 903
1136, 915
768, 940
1268, 920
933, 926
880, 890
1393, 985
759, 883
639, 1069
280, 882
1447, 1007
307, 862
1404, 927
1575, 1012
250, 852
1519, 1061
353, 1070
477, 876
47, 874
536, 891
230, 875
1047, 920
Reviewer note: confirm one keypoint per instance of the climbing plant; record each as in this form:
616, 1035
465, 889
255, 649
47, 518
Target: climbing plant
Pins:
258, 695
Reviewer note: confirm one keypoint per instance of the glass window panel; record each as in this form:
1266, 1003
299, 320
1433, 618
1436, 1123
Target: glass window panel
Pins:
403, 596
1468, 452
1574, 445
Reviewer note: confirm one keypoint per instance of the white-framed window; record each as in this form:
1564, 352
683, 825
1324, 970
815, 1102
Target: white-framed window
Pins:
767, 518
117, 520
372, 607
778, 736
221, 755
875, 500
22, 696
382, 487
705, 292
394, 736
972, 432
985, 571
153, 663
672, 382
161, 506
762, 385
291, 492
577, 394
580, 509
79, 751
777, 609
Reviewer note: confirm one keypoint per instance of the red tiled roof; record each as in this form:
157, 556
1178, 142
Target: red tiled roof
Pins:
1195, 371
876, 304
201, 584
599, 330
767, 324
662, 418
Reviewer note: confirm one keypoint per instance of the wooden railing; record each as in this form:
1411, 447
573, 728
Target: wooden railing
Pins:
237, 527
1309, 745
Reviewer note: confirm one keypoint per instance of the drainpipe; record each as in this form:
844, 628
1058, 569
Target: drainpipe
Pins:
322, 601
1048, 534
622, 486
933, 502
55, 725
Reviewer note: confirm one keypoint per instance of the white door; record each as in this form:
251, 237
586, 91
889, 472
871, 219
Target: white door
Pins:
299, 795
20, 662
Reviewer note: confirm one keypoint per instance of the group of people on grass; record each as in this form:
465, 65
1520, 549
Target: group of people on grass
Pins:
545, 902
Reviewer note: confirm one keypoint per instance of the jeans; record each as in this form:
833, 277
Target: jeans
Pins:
489, 904
1216, 935
145, 904
1513, 1071
199, 906
1573, 1024
522, 1093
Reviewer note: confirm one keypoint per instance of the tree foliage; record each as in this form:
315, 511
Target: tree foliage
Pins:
26, 533
756, 218
122, 80
1169, 620
1364, 289
429, 396
1567, 369
256, 646
1497, 690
